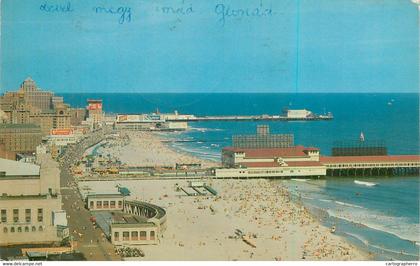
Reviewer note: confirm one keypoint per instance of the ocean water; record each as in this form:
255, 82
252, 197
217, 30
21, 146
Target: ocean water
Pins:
382, 218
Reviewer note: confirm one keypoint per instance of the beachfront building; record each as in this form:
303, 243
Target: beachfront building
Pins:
127, 222
140, 223
296, 161
269, 155
95, 113
30, 203
35, 97
62, 137
175, 116
147, 122
31, 105
133, 232
105, 202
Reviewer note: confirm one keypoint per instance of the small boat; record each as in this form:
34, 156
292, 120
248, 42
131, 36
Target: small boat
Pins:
332, 229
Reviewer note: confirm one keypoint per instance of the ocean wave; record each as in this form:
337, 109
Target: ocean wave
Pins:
197, 152
325, 200
342, 203
368, 244
358, 237
364, 183
300, 179
392, 225
203, 129
349, 205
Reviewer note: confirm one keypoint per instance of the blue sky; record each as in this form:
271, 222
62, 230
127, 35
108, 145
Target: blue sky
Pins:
341, 46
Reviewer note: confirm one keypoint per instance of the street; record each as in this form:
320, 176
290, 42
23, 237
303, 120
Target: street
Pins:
86, 237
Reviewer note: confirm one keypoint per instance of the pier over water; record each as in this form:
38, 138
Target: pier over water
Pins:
386, 165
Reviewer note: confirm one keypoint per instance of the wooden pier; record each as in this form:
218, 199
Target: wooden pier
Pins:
250, 118
386, 165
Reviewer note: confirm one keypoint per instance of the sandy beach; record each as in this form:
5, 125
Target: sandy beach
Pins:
203, 227
145, 149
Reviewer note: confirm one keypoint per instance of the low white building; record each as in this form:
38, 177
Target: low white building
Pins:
64, 137
302, 113
105, 202
296, 161
148, 122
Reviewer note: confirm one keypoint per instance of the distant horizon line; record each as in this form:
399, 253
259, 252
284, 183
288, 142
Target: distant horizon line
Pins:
237, 92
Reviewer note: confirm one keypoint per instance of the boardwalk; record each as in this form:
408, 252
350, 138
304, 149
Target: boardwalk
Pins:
87, 239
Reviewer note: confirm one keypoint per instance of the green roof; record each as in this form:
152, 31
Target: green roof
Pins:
124, 191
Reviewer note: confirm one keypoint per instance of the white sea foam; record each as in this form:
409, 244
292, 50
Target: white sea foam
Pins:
325, 200
359, 237
300, 179
364, 183
367, 243
396, 226
202, 129
349, 205
342, 203
199, 153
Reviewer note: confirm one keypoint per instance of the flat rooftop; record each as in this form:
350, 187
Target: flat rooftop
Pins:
10, 168
109, 195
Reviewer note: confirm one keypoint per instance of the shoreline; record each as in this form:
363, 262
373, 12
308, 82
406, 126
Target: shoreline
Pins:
201, 227
145, 149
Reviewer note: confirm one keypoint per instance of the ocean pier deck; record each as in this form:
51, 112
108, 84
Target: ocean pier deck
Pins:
387, 165
249, 118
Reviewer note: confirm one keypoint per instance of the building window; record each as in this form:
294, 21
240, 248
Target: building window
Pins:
135, 235
119, 204
33, 228
5, 230
91, 205
106, 204
40, 215
26, 229
116, 236
20, 229
112, 204
4, 216
12, 230
126, 236
40, 228
99, 204
143, 235
15, 215
152, 235
28, 215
